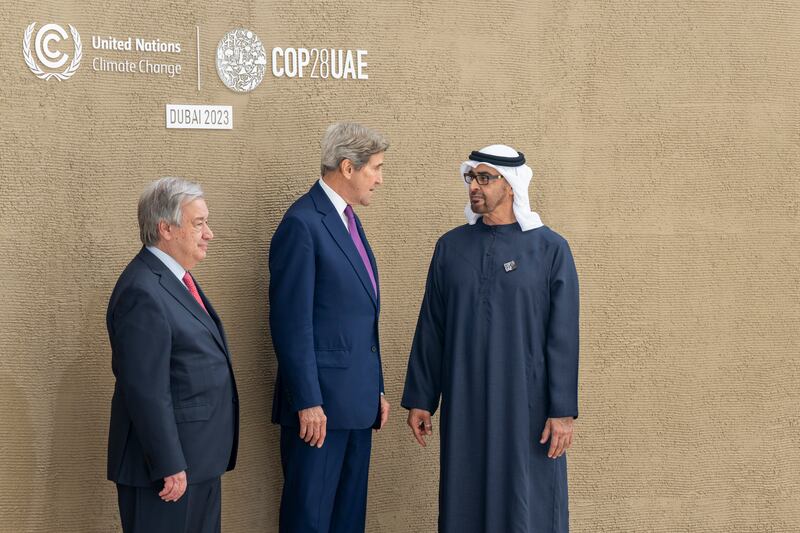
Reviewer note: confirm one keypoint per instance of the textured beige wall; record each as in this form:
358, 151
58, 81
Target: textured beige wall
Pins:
664, 137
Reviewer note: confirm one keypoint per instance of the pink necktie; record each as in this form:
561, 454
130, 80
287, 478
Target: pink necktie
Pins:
187, 279
351, 225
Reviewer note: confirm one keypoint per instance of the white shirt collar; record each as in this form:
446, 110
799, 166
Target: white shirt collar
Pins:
338, 202
168, 260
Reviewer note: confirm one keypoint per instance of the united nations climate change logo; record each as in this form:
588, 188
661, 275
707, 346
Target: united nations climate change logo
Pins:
51, 59
241, 60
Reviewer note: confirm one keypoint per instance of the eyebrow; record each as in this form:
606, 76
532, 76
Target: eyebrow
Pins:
483, 172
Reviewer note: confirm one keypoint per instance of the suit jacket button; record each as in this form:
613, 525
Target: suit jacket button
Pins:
374, 349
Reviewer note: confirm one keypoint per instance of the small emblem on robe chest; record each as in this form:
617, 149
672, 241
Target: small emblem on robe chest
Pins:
511, 265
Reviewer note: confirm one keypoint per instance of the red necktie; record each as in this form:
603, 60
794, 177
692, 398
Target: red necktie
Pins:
187, 279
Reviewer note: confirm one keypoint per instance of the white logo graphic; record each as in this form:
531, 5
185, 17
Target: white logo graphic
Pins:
241, 60
52, 59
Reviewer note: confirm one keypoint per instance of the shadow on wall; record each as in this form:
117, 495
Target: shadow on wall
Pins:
252, 492
19, 460
79, 496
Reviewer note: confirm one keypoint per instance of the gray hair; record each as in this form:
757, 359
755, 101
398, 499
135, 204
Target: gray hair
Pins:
348, 140
162, 200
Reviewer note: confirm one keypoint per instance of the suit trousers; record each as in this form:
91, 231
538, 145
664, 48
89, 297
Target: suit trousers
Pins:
197, 511
325, 489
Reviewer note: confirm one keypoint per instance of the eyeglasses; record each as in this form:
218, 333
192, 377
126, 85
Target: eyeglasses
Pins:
483, 178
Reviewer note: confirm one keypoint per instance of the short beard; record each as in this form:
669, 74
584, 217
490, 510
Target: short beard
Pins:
481, 208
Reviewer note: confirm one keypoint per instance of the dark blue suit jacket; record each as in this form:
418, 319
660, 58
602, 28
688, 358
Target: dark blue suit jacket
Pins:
324, 318
175, 405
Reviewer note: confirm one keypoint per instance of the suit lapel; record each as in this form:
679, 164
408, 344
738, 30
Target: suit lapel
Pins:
335, 227
215, 318
372, 261
333, 223
179, 291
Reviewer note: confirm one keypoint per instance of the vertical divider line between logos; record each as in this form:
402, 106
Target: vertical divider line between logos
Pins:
197, 28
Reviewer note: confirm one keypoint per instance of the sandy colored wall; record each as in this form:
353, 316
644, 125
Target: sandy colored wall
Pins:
664, 138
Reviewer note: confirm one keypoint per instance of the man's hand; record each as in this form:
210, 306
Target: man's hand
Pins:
559, 431
384, 411
174, 487
419, 420
313, 425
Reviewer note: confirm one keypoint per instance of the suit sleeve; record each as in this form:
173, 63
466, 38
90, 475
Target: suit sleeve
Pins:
423, 377
562, 336
141, 352
292, 267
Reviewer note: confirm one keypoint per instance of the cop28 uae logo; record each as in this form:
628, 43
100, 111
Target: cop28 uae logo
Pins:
53, 60
241, 60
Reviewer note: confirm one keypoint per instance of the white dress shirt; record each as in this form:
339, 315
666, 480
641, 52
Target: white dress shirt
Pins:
168, 260
338, 202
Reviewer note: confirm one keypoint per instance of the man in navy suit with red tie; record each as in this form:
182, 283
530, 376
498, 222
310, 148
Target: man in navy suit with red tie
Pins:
324, 307
175, 413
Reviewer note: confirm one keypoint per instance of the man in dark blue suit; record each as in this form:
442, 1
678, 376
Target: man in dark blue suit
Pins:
175, 413
324, 306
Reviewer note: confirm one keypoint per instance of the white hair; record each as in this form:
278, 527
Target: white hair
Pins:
351, 141
163, 200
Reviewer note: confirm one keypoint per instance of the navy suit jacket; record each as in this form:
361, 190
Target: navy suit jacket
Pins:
175, 405
324, 318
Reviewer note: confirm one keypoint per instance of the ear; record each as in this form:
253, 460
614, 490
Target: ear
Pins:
346, 168
164, 230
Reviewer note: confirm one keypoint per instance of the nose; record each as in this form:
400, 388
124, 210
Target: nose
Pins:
208, 234
473, 186
379, 179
